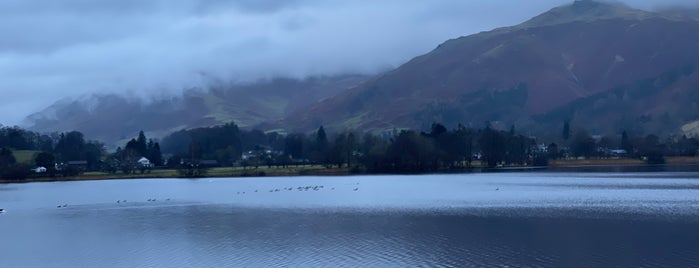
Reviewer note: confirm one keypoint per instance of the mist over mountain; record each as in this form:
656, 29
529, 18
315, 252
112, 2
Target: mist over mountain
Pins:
605, 66
149, 49
114, 117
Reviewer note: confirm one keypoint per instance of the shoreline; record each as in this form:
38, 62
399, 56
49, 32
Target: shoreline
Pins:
673, 164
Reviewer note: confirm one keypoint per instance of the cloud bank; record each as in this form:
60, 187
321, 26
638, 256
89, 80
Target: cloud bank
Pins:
55, 49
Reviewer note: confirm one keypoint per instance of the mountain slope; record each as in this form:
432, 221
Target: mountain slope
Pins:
113, 118
519, 74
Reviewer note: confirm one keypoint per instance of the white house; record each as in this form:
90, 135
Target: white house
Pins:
39, 170
144, 162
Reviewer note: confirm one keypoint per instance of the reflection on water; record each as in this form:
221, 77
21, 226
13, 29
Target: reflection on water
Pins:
532, 219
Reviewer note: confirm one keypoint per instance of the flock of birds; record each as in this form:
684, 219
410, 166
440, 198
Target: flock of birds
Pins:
300, 188
118, 202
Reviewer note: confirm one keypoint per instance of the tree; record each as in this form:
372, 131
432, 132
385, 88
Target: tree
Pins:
583, 144
321, 139
47, 160
293, 145
492, 144
156, 157
6, 158
320, 152
626, 143
552, 150
141, 145
71, 146
566, 130
651, 148
9, 168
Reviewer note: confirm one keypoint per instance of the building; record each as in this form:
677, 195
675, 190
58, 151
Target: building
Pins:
144, 162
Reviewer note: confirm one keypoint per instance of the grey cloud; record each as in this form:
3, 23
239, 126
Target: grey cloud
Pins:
54, 49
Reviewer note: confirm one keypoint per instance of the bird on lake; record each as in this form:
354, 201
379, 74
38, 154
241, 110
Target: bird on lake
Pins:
2, 210
356, 189
497, 189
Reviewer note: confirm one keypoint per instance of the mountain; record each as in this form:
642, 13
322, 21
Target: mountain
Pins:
604, 66
114, 118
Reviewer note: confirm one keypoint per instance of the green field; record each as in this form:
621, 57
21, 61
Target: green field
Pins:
25, 156
220, 172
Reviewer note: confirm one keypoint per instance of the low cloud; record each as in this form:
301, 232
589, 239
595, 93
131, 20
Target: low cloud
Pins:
55, 49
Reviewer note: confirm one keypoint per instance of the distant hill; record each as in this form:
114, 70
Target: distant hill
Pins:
604, 66
114, 118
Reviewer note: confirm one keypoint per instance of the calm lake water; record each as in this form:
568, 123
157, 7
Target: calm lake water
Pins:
473, 220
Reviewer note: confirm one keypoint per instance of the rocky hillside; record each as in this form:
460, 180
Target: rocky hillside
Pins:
604, 66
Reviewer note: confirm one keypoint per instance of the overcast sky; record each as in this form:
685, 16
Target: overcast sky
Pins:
53, 49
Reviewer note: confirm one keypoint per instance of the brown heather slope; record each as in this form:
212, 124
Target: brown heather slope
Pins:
526, 74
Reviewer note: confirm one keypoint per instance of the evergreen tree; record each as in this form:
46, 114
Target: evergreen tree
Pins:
71, 146
321, 139
320, 153
493, 146
45, 159
141, 144
566, 130
6, 158
156, 157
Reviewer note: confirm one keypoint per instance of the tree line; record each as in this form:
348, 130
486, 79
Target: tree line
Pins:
397, 151
52, 149
403, 151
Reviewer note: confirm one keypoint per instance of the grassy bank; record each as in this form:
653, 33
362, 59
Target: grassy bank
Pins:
220, 172
320, 170
620, 161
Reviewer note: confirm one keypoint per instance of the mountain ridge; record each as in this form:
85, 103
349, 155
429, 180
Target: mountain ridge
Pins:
556, 63
534, 75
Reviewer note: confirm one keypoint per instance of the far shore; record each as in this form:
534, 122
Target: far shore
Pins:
560, 165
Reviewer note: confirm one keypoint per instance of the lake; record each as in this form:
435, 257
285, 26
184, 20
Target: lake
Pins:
471, 220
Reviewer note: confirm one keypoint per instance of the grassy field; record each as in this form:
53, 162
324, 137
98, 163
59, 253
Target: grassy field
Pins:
620, 161
320, 170
25, 156
220, 172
